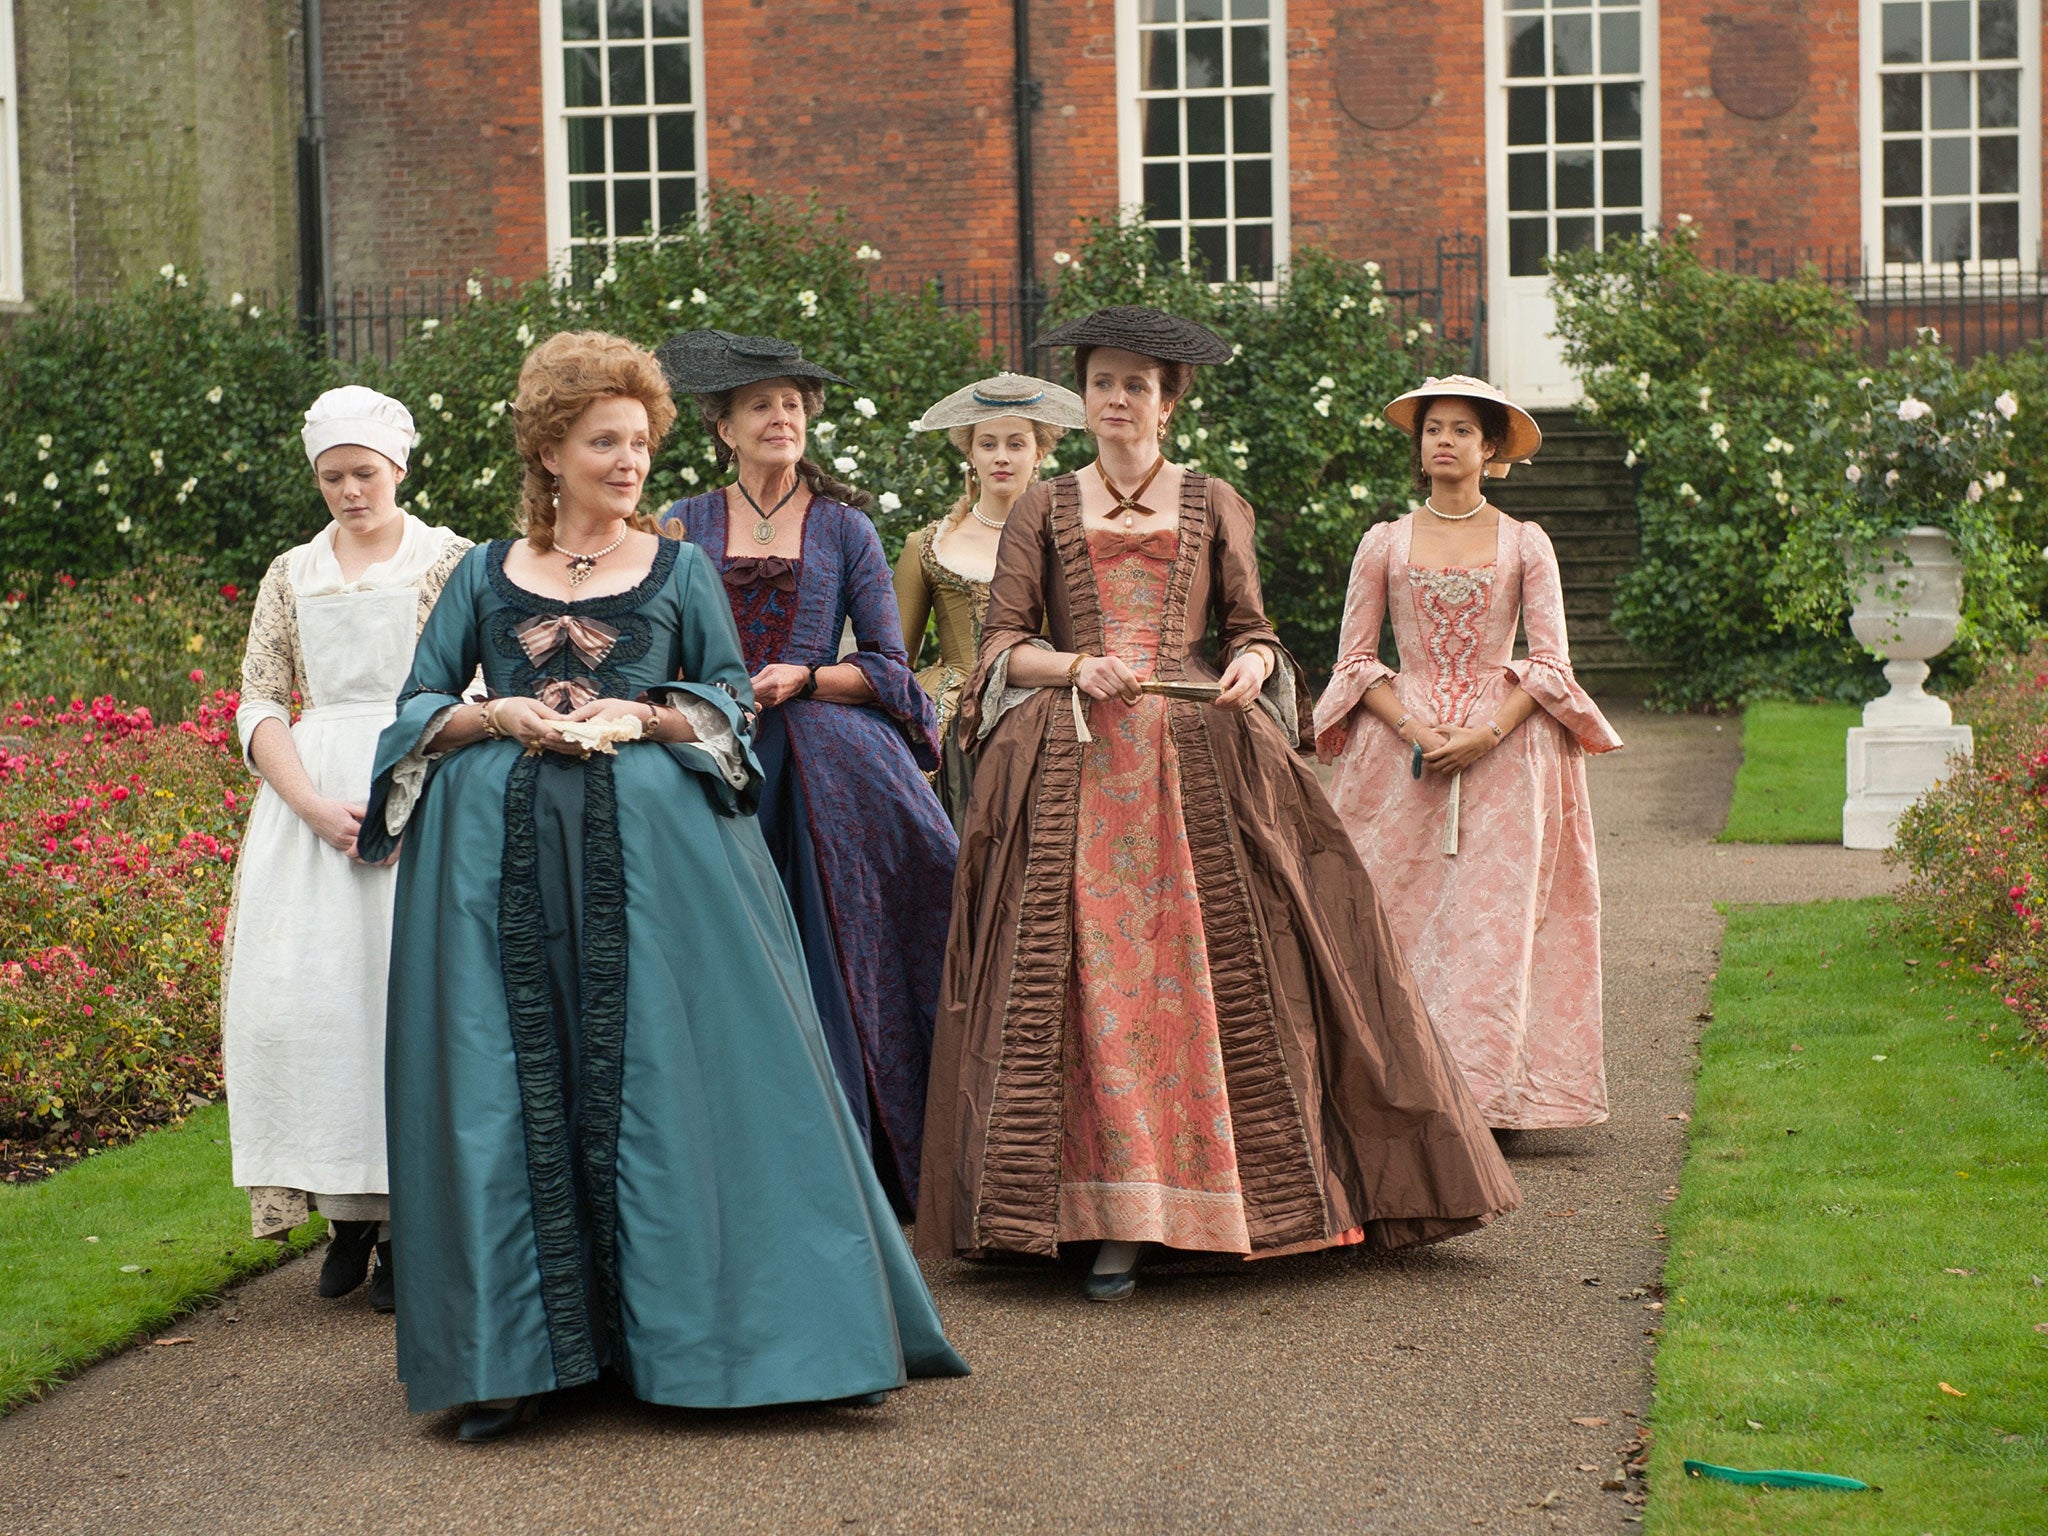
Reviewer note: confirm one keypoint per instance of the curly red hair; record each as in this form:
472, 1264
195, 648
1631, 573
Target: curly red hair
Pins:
561, 379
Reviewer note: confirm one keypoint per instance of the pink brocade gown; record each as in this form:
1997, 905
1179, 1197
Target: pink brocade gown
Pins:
1148, 1153
1502, 932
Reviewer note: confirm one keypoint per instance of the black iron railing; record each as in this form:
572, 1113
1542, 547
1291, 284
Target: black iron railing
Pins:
1977, 308
1444, 286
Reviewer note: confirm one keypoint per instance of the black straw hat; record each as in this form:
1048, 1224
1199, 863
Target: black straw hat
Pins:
712, 362
1148, 332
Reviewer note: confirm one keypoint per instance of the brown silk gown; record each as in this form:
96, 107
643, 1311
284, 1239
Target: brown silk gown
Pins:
1341, 1115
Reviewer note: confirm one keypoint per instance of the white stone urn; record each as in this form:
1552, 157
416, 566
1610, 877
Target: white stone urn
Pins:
1905, 611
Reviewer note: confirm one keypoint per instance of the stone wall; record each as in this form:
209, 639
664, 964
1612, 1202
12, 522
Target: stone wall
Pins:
157, 131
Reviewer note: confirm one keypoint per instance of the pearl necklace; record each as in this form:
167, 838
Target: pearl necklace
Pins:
974, 511
1454, 517
580, 566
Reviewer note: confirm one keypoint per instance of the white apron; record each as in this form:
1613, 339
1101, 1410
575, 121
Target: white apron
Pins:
303, 1028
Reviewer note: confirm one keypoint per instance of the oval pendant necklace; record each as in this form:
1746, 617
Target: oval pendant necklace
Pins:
580, 566
764, 522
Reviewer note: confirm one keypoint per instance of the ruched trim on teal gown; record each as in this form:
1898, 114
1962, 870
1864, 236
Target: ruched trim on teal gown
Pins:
616, 1139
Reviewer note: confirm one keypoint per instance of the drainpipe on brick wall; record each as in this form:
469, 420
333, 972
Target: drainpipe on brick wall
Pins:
1026, 98
316, 244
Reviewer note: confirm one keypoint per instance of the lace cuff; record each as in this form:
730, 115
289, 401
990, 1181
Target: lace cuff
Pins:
715, 735
998, 698
409, 774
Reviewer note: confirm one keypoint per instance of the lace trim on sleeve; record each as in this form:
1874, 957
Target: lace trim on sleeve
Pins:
998, 698
715, 735
409, 774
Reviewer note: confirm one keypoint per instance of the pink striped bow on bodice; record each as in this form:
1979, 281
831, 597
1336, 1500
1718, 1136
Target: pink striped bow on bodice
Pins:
543, 635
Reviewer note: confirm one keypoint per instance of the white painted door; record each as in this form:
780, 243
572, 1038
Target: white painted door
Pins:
1571, 126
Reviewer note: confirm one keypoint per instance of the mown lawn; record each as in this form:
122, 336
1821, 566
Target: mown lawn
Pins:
1859, 1245
170, 1231
1793, 775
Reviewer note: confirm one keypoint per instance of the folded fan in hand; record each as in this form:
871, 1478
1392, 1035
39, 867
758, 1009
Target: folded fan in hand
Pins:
601, 735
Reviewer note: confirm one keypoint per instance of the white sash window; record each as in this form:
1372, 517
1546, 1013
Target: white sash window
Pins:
622, 87
1203, 130
1952, 139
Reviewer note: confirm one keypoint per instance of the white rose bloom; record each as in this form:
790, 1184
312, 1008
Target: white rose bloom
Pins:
524, 335
699, 296
213, 395
865, 406
434, 401
1326, 382
845, 462
50, 481
1852, 474
2008, 406
889, 501
1911, 409
1975, 492
1322, 405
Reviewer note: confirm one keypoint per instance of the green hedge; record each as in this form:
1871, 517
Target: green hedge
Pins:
164, 423
1720, 383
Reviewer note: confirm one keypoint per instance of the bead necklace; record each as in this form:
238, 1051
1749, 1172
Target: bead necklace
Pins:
1454, 517
580, 566
1129, 505
764, 525
974, 511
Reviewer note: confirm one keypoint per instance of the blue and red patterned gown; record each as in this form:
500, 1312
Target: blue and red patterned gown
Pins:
865, 850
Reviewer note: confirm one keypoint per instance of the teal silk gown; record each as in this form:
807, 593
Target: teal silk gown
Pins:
615, 1137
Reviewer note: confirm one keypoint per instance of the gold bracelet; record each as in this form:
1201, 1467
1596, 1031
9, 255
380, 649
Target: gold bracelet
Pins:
1074, 671
1498, 733
1401, 722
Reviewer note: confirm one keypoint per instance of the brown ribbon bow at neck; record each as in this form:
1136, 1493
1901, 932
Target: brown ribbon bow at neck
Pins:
771, 569
542, 636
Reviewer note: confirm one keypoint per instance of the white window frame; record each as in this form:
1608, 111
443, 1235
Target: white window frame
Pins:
11, 282
1524, 356
1870, 115
1130, 130
555, 133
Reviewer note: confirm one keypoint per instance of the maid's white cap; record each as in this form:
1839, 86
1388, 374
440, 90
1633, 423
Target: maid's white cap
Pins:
358, 415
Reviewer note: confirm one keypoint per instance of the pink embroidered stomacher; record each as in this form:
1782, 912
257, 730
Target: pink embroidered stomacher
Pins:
1489, 880
1148, 1153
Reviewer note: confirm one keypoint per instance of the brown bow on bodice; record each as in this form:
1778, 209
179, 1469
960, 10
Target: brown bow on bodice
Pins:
543, 635
772, 569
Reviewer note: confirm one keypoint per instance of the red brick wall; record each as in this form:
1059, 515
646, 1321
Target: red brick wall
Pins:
1387, 126
434, 139
1073, 56
899, 112
1774, 166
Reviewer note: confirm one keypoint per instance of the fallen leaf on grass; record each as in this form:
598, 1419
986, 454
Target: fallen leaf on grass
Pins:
1952, 1391
2041, 1327
1947, 1271
1752, 1423
133, 1269
165, 1343
1593, 1423
92, 1239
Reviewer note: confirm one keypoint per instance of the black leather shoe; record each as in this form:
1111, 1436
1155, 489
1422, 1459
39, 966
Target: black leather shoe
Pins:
384, 1284
348, 1257
481, 1424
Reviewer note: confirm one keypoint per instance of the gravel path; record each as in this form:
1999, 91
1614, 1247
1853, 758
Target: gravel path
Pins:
1433, 1392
